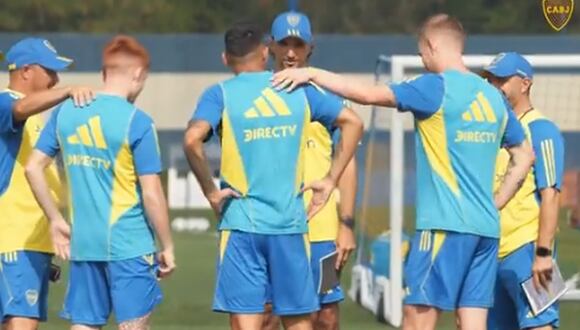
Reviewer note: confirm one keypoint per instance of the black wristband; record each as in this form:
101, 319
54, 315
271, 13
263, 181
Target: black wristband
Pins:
543, 252
348, 222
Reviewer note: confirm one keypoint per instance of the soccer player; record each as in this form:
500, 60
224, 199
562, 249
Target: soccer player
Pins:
263, 245
460, 121
112, 162
529, 221
25, 245
330, 230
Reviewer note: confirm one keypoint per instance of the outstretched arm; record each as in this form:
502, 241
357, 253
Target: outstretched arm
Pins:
362, 93
44, 100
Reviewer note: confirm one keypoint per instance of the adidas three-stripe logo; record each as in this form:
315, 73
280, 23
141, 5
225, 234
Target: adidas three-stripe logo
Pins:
480, 110
547, 147
90, 135
269, 104
293, 32
425, 242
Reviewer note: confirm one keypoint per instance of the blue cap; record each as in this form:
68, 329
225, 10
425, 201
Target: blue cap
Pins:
510, 64
292, 24
36, 51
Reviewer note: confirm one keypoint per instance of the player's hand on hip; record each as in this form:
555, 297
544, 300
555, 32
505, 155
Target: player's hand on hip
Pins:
166, 263
289, 79
81, 95
345, 244
60, 234
219, 197
542, 271
321, 191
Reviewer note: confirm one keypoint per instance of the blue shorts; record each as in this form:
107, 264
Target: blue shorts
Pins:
511, 309
318, 251
252, 268
24, 284
127, 287
449, 270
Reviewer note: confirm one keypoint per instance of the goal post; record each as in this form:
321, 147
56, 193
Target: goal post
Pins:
383, 293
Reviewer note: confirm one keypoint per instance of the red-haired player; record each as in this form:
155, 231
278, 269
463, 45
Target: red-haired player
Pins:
112, 161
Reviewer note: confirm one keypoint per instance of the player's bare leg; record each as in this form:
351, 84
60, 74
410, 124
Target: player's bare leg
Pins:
20, 323
326, 318
271, 321
83, 327
298, 322
472, 318
417, 317
141, 323
246, 321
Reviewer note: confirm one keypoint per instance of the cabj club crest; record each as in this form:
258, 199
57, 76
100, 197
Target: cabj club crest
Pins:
558, 12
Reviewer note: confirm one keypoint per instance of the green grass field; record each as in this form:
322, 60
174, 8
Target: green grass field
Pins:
188, 294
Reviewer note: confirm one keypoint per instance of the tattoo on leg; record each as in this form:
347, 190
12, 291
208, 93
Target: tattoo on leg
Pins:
141, 323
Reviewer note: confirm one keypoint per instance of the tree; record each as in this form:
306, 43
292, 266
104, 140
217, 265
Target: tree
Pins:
328, 16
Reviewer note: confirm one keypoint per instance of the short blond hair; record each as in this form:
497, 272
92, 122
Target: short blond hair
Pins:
443, 24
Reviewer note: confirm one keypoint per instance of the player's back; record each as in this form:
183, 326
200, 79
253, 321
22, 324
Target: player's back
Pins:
105, 199
263, 137
457, 150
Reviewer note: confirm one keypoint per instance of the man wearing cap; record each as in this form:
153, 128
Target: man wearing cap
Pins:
529, 220
461, 123
332, 229
25, 245
264, 251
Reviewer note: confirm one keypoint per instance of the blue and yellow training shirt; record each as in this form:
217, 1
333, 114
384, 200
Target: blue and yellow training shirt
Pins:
317, 162
263, 137
460, 123
105, 147
520, 218
323, 226
23, 225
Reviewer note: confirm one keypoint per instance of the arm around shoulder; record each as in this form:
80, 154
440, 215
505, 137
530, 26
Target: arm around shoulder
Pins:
41, 101
359, 92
